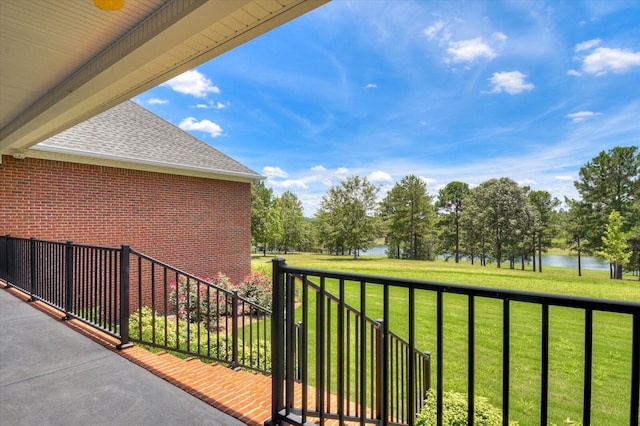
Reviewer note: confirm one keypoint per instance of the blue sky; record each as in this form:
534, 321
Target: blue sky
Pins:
444, 90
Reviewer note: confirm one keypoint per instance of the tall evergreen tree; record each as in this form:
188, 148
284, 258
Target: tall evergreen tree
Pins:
544, 204
408, 212
610, 181
450, 202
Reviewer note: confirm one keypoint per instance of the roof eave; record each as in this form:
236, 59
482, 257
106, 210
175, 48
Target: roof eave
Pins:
82, 157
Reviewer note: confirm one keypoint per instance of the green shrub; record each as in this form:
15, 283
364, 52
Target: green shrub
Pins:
258, 355
455, 411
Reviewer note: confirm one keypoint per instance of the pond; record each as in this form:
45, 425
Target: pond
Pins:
547, 260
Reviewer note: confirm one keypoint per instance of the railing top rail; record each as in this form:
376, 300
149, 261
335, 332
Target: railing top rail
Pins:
62, 243
608, 305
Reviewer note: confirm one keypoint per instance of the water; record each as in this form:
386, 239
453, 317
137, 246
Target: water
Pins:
547, 260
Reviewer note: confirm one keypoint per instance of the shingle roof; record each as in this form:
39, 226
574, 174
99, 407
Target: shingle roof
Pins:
130, 133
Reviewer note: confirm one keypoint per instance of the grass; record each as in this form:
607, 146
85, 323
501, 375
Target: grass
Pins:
612, 332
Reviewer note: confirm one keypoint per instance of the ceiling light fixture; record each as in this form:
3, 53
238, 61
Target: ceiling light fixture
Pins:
109, 4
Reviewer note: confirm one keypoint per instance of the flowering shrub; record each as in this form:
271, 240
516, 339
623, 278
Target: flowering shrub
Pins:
195, 301
256, 287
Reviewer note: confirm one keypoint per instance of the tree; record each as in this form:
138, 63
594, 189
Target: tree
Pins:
347, 213
615, 249
609, 182
407, 212
450, 203
499, 214
544, 205
576, 227
290, 211
261, 204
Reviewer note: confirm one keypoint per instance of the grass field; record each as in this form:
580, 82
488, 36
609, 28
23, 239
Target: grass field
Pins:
612, 332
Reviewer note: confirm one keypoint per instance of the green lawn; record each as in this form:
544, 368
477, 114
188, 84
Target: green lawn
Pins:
612, 333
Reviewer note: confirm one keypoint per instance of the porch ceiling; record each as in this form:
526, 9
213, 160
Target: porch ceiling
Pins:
63, 62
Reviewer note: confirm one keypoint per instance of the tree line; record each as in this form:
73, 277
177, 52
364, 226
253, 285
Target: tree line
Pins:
497, 221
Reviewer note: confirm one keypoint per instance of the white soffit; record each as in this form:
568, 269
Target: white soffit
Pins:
62, 62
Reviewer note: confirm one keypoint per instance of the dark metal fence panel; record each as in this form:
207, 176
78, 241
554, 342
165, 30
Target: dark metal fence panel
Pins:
177, 311
347, 367
80, 280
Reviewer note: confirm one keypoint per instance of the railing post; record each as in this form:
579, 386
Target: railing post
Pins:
68, 280
33, 266
4, 260
11, 256
125, 252
426, 371
277, 343
234, 335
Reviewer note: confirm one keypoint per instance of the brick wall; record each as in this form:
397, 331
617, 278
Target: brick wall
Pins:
199, 225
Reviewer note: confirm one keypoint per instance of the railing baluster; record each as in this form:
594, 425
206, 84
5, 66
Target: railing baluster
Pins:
635, 371
303, 356
544, 391
411, 371
588, 366
363, 352
439, 355
322, 338
506, 327
471, 361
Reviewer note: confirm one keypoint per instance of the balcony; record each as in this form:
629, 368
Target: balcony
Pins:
344, 348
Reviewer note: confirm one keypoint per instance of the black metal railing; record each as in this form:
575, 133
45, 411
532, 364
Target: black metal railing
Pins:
136, 298
86, 282
333, 379
183, 313
360, 339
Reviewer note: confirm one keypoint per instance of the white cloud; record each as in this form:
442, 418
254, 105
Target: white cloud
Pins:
318, 168
380, 177
274, 172
212, 105
327, 182
578, 117
564, 178
511, 82
527, 182
288, 184
574, 73
156, 101
434, 30
205, 125
604, 60
371, 86
587, 45
192, 83
342, 172
470, 50
426, 180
